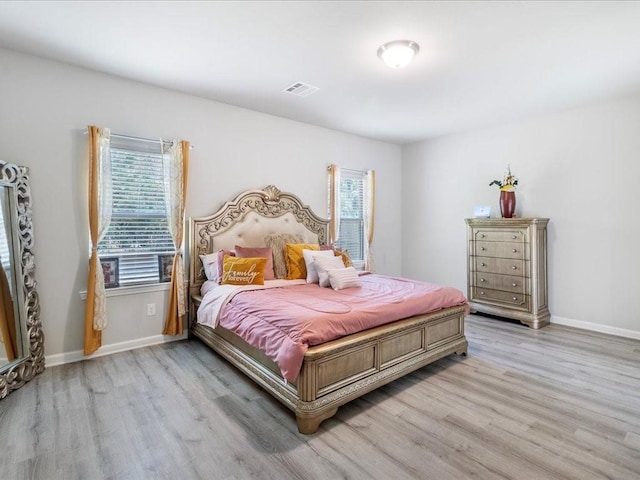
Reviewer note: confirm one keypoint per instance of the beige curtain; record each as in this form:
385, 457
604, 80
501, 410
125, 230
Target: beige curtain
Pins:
176, 162
100, 204
334, 203
369, 216
7, 319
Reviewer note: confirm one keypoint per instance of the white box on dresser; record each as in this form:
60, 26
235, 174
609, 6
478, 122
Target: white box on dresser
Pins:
507, 268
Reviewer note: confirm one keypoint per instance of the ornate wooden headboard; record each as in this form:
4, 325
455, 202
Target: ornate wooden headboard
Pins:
245, 221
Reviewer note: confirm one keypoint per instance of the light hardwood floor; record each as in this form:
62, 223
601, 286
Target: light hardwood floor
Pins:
556, 403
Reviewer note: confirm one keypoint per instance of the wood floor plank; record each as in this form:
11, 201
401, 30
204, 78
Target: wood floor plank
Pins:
556, 403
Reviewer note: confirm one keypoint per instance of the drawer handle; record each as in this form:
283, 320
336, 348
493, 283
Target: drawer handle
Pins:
514, 284
515, 298
515, 251
481, 292
482, 248
482, 235
514, 267
482, 279
483, 264
514, 237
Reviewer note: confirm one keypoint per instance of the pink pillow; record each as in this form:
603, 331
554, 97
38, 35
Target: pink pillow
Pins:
217, 271
260, 252
212, 264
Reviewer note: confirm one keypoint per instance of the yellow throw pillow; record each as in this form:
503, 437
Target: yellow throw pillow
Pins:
296, 268
243, 271
346, 259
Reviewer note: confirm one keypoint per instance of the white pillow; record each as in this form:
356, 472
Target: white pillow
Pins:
326, 263
309, 255
344, 278
209, 262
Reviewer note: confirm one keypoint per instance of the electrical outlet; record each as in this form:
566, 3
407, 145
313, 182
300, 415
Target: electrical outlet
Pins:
151, 309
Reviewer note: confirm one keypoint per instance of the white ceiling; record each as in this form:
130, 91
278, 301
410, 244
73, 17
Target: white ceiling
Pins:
480, 64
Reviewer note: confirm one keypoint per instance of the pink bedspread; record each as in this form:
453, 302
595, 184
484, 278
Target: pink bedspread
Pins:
283, 322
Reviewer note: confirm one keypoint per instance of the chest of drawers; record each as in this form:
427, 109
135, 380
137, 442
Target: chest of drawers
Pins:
507, 268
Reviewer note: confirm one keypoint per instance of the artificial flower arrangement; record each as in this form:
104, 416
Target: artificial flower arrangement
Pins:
508, 183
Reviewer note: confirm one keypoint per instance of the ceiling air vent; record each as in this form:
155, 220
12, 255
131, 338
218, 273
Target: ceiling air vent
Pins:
301, 89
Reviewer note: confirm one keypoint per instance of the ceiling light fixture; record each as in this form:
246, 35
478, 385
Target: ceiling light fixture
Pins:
399, 53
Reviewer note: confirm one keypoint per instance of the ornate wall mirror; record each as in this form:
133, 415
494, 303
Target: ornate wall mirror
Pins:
21, 337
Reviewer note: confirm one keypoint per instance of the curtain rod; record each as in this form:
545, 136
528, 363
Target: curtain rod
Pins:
140, 139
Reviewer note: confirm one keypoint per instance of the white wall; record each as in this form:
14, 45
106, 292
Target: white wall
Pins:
580, 168
44, 106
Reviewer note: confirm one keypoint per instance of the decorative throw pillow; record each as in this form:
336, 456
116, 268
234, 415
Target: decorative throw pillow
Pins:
346, 259
248, 252
209, 264
341, 278
326, 263
243, 271
309, 255
212, 264
277, 241
295, 260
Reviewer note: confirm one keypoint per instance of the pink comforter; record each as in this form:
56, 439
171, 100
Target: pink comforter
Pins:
283, 322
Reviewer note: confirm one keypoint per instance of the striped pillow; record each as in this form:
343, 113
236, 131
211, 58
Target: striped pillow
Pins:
341, 278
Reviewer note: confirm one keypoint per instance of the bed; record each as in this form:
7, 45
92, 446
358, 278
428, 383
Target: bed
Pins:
332, 373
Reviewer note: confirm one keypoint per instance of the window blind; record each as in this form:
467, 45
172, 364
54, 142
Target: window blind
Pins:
351, 231
138, 231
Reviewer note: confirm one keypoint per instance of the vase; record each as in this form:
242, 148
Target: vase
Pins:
507, 204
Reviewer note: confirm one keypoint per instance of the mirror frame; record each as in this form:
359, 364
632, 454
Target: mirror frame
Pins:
16, 373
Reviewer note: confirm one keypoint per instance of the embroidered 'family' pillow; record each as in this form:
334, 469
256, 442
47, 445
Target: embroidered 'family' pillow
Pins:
243, 271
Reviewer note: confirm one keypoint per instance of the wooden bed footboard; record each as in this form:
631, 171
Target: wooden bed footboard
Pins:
337, 372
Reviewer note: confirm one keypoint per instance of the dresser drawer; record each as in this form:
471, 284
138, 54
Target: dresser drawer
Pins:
506, 266
489, 235
513, 250
499, 297
508, 283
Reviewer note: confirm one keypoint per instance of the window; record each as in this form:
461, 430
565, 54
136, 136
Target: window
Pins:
138, 231
351, 236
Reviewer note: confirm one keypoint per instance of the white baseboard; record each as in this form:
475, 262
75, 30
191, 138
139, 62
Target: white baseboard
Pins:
76, 356
596, 327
